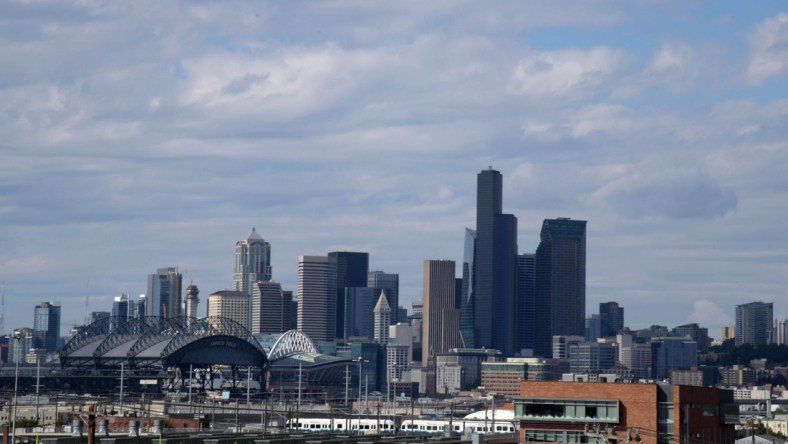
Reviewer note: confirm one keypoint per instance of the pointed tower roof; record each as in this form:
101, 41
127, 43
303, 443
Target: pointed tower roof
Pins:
383, 305
254, 237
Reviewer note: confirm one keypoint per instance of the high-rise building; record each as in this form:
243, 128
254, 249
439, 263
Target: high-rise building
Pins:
781, 332
230, 304
636, 356
192, 300
46, 326
270, 308
352, 269
382, 317
441, 319
695, 332
672, 353
164, 293
19, 348
494, 267
561, 280
359, 306
527, 322
397, 359
252, 262
467, 306
611, 319
317, 285
388, 282
754, 322
123, 309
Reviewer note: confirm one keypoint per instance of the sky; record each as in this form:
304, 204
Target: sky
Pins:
146, 134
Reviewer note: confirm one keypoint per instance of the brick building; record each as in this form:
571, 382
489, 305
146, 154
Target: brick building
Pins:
661, 413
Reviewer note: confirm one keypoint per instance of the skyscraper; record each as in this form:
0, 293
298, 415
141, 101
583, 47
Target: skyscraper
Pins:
494, 267
359, 306
388, 282
270, 308
252, 262
192, 300
611, 319
230, 304
164, 293
122, 310
560, 281
46, 326
527, 322
317, 285
382, 317
441, 318
754, 323
352, 269
467, 324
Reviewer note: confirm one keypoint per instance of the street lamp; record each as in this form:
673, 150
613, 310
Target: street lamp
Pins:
358, 401
18, 336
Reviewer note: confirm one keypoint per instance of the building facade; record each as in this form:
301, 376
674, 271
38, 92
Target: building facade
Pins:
382, 318
230, 304
352, 270
46, 326
441, 318
611, 319
164, 294
575, 412
252, 262
494, 280
317, 284
561, 280
271, 308
754, 323
359, 316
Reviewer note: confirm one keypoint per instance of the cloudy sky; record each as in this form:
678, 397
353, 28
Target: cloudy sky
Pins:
138, 135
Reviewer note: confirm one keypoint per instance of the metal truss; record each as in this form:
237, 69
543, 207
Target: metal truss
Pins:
290, 342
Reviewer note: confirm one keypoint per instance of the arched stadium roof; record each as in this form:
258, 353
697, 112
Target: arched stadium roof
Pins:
154, 342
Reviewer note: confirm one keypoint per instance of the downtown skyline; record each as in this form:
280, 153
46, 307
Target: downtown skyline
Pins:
136, 137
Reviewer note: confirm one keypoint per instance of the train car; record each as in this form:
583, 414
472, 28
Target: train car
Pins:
456, 426
366, 427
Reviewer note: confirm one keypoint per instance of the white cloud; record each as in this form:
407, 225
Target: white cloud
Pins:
708, 314
570, 74
769, 48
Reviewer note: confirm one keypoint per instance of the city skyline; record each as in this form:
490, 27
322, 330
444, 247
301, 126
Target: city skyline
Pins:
361, 128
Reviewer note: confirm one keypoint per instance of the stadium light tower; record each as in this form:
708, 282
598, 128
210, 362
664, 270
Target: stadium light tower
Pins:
17, 336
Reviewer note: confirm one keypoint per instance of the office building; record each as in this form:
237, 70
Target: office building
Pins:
494, 277
98, 315
695, 332
46, 326
397, 360
527, 322
561, 345
754, 323
18, 349
123, 309
634, 355
388, 282
317, 285
672, 353
252, 262
504, 378
352, 270
593, 328
270, 308
382, 317
611, 319
402, 334
441, 318
561, 280
359, 316
163, 298
467, 307
469, 362
591, 357
192, 301
418, 308
230, 304
781, 332
656, 413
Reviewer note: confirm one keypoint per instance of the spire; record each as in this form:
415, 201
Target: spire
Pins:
254, 236
383, 305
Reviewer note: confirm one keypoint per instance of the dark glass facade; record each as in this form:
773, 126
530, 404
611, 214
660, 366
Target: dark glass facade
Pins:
352, 269
560, 281
526, 301
388, 282
611, 319
467, 326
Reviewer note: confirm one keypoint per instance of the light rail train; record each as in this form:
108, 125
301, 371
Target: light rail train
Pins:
387, 426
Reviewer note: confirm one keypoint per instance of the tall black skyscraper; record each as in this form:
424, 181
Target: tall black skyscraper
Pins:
352, 269
527, 304
388, 283
561, 281
494, 267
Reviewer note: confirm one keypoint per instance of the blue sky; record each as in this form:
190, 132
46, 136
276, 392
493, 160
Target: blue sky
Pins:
139, 135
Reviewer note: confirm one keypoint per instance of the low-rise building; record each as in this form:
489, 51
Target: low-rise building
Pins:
658, 413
